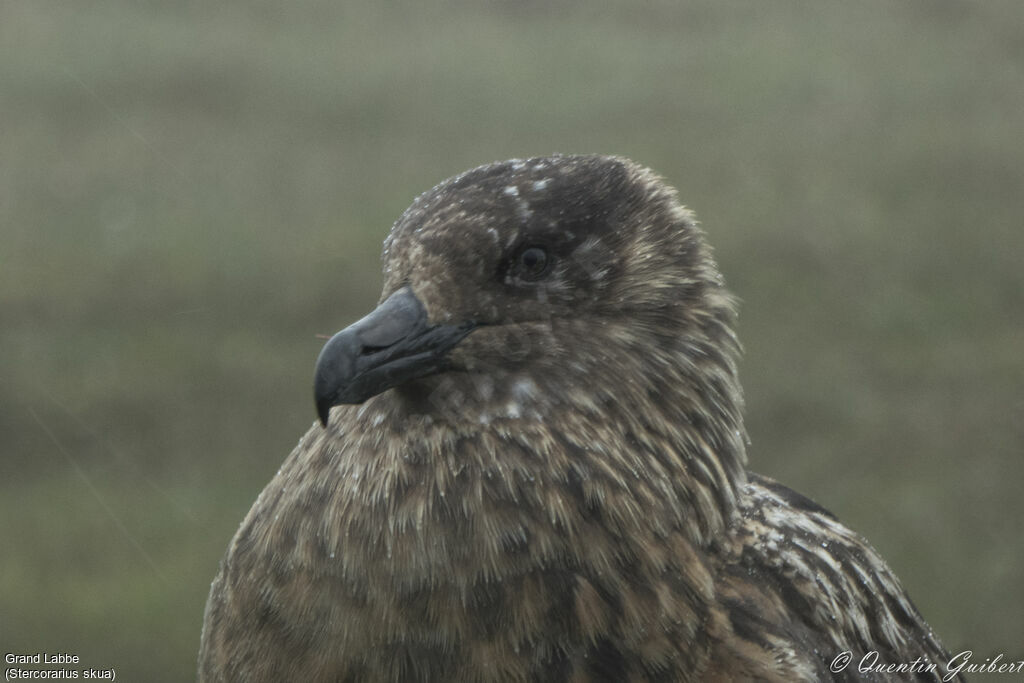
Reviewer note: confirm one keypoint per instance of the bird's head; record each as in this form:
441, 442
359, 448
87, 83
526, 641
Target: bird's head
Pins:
526, 283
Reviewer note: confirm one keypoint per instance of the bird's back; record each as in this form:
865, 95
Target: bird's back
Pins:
799, 589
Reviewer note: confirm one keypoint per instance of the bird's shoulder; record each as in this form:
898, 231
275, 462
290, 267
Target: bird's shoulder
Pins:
799, 588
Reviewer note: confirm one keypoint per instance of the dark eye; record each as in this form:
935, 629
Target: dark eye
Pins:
532, 263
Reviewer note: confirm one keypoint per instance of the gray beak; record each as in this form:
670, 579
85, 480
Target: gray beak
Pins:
391, 345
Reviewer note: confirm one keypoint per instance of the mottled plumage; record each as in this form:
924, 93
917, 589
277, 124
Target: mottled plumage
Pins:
542, 474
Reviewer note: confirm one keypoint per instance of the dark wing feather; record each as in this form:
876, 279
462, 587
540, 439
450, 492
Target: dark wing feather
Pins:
798, 588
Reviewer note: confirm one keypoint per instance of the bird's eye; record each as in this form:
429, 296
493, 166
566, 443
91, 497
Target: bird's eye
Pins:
532, 263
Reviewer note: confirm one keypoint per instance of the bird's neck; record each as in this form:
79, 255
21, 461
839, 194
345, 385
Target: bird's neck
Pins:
565, 467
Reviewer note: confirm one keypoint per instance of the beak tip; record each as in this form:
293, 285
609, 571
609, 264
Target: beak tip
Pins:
391, 345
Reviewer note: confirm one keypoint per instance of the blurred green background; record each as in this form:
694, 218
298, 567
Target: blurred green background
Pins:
190, 192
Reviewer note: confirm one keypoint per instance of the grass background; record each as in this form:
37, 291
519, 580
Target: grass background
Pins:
191, 191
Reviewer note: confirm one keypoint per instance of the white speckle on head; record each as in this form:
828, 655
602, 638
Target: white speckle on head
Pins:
524, 388
539, 185
495, 234
523, 209
512, 410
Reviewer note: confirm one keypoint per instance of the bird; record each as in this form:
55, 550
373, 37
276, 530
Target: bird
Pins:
530, 465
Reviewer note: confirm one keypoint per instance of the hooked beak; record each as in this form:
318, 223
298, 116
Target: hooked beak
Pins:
390, 346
